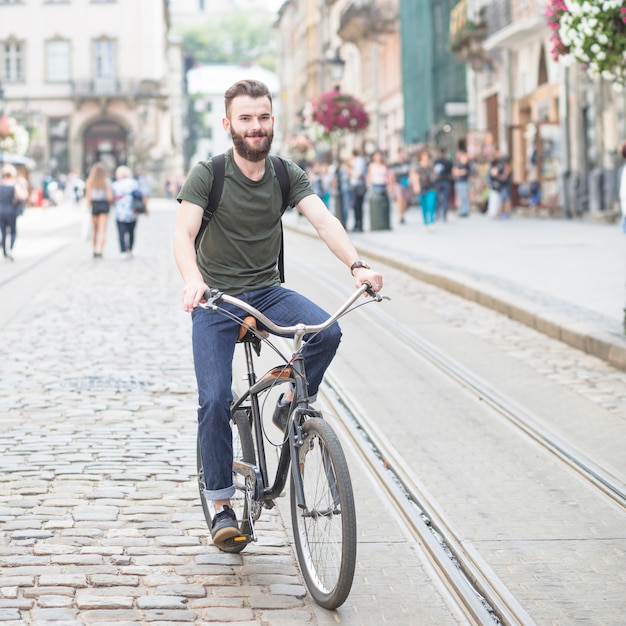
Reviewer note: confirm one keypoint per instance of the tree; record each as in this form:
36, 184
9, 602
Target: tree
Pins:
239, 38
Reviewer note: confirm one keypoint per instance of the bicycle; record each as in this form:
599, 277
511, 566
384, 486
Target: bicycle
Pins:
322, 507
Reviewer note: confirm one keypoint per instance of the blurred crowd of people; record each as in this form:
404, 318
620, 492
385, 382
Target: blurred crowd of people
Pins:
434, 181
103, 192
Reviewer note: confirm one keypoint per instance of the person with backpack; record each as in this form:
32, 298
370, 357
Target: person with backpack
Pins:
12, 196
237, 253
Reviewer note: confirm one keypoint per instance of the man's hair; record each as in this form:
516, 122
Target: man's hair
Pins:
248, 87
624, 149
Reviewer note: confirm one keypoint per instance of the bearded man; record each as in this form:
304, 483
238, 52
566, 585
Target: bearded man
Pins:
237, 254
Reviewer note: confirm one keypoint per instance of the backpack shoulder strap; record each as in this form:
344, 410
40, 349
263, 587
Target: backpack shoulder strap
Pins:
215, 195
283, 178
285, 186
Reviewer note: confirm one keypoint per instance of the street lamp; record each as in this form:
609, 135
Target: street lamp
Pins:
337, 66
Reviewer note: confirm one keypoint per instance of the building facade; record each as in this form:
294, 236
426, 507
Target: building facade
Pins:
561, 128
93, 80
363, 38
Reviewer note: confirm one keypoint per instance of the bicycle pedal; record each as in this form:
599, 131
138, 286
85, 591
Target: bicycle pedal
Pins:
238, 542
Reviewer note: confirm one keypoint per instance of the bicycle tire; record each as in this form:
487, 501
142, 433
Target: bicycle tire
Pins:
324, 533
243, 450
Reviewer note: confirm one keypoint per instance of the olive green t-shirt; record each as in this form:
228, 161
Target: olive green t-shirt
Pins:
239, 249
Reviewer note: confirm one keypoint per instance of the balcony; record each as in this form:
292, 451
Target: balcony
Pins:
368, 19
511, 22
115, 88
467, 36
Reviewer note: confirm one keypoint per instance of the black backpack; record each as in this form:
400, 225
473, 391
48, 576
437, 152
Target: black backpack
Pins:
219, 169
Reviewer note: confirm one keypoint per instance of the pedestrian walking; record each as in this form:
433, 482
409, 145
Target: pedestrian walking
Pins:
461, 170
99, 197
494, 182
442, 168
423, 185
12, 195
237, 254
347, 195
124, 187
358, 170
506, 179
400, 170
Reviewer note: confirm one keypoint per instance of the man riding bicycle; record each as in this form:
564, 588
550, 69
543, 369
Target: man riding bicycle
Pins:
237, 255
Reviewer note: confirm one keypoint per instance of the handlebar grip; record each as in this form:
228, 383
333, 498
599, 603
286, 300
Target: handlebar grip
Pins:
370, 292
214, 295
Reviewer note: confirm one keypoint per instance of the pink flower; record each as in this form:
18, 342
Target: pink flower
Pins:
338, 111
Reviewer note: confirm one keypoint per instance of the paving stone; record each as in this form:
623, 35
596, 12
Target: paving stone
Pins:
46, 601
65, 580
10, 616
111, 616
224, 615
64, 616
185, 590
92, 601
262, 601
297, 591
161, 602
114, 580
159, 616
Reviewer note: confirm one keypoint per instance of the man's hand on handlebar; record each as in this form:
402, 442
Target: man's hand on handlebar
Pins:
373, 278
193, 293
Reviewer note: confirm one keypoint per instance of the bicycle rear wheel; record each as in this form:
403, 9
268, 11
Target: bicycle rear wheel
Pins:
243, 450
324, 532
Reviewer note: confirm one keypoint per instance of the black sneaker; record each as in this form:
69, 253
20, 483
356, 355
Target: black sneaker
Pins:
224, 526
281, 414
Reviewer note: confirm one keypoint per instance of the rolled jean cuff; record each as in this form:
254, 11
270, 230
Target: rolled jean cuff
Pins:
220, 494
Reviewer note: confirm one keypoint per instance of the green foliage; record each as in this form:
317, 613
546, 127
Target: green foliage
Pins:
239, 38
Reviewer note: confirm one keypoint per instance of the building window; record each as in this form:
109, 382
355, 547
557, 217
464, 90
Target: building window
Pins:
104, 58
58, 61
12, 58
104, 67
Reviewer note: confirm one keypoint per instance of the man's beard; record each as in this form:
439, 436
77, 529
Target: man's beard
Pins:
252, 154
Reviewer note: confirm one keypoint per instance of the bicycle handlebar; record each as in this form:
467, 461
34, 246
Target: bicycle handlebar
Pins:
214, 297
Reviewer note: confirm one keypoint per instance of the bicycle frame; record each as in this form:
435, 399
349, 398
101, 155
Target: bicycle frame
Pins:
294, 371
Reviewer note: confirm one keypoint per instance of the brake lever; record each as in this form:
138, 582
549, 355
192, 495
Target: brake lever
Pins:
373, 294
212, 297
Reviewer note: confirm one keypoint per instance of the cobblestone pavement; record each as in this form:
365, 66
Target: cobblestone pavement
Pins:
100, 520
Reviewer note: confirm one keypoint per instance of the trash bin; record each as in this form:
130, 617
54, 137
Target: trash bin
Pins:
379, 210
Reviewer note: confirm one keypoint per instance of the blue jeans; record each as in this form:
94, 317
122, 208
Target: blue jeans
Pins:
461, 187
428, 203
444, 187
213, 338
126, 231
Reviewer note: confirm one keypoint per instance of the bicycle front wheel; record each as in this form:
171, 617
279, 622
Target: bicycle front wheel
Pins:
325, 530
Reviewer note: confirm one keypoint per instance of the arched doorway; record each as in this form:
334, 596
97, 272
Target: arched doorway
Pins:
105, 141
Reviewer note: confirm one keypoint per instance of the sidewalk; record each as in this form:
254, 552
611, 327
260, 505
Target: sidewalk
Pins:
564, 278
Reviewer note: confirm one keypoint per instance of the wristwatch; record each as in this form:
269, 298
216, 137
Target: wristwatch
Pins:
358, 264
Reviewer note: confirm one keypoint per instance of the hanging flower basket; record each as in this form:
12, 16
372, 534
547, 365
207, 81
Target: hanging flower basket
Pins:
14, 137
592, 33
336, 113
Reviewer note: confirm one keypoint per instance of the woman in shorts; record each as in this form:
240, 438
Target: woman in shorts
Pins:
99, 196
